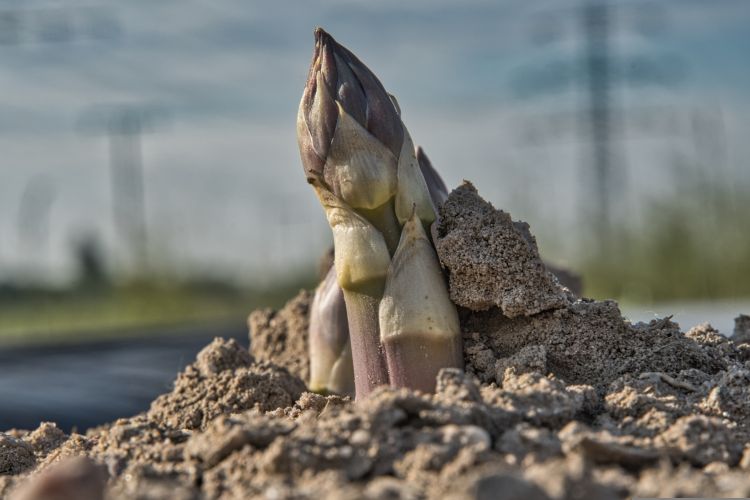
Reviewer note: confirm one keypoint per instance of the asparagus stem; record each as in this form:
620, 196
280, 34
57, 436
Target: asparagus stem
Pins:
370, 369
415, 360
384, 220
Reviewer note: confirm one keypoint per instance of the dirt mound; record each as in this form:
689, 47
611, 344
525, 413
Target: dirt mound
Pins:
534, 434
224, 379
281, 336
571, 401
587, 342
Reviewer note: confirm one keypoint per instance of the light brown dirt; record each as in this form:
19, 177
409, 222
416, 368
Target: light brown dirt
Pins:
568, 402
492, 261
281, 336
224, 379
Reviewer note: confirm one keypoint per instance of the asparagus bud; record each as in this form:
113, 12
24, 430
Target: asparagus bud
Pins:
349, 131
331, 369
419, 326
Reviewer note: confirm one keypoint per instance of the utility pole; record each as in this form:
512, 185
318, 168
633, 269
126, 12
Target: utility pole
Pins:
599, 73
126, 172
124, 125
23, 25
596, 25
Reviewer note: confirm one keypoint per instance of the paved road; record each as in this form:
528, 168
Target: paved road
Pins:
84, 385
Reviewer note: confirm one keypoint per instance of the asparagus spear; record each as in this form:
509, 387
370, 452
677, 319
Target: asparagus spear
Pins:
361, 161
331, 369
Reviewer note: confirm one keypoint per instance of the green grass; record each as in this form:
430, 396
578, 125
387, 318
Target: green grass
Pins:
34, 316
695, 246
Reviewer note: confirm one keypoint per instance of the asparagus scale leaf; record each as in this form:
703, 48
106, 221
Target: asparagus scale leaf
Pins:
413, 193
419, 325
361, 257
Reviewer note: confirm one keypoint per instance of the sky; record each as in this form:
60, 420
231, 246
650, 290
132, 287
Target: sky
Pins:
491, 89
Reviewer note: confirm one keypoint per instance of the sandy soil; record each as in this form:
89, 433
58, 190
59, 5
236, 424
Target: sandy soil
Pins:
561, 398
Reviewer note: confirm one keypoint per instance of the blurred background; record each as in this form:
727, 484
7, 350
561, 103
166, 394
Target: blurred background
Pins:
151, 193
